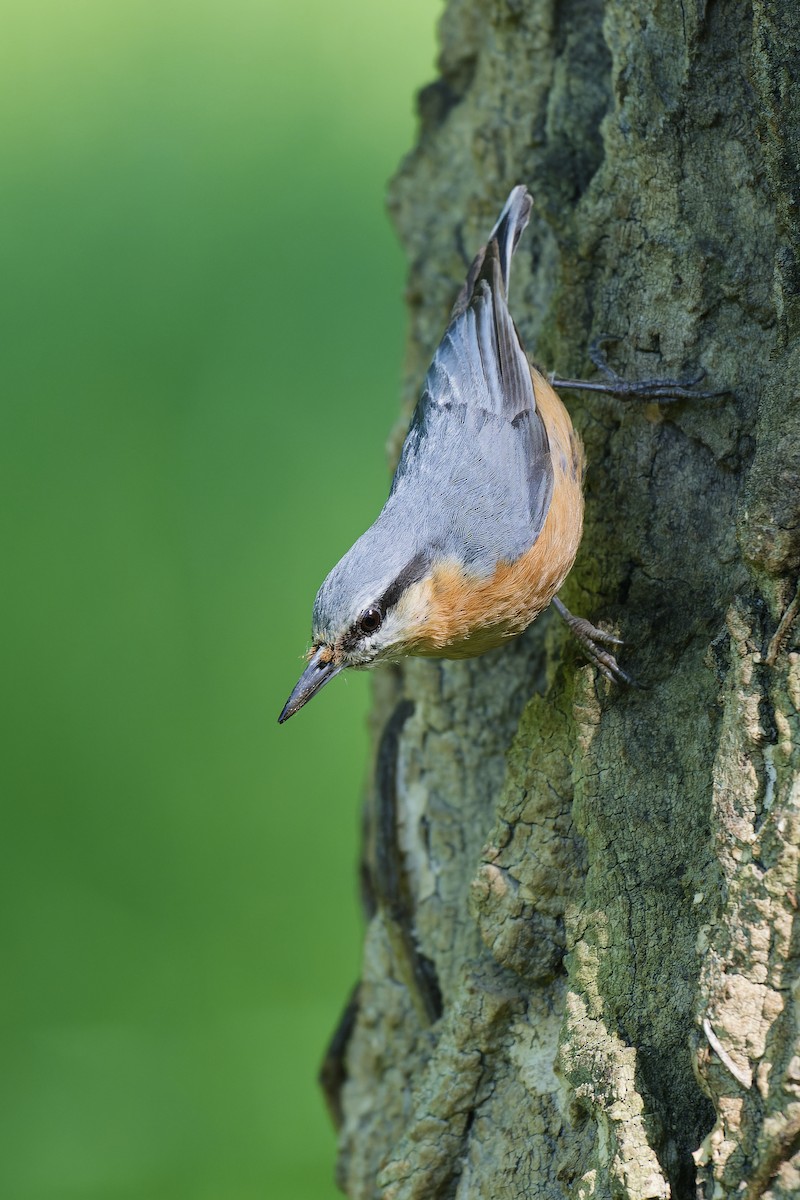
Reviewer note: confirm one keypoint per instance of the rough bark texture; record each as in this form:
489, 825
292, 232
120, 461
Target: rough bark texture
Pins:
581, 965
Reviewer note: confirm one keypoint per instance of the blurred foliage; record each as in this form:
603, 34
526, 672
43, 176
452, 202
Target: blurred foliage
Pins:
202, 328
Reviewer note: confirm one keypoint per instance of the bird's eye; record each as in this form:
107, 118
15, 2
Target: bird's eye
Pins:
370, 621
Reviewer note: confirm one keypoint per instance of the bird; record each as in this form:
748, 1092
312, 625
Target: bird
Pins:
485, 513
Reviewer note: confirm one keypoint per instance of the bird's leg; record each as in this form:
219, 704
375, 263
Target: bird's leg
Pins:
662, 391
590, 638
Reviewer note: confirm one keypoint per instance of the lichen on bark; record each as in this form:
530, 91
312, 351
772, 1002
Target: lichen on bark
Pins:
580, 972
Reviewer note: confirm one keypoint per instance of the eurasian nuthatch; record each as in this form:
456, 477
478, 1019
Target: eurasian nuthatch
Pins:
485, 513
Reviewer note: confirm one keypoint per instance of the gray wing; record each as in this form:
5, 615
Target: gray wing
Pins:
476, 466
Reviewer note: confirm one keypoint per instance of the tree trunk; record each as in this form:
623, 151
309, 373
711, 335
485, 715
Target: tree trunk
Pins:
580, 973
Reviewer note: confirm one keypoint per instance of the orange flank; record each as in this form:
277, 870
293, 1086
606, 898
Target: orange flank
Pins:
459, 616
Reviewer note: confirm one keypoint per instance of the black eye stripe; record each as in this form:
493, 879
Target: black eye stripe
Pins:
410, 573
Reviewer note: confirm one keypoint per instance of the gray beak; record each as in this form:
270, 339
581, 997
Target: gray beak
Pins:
316, 675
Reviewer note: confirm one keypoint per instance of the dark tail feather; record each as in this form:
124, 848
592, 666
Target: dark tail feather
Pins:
500, 247
509, 227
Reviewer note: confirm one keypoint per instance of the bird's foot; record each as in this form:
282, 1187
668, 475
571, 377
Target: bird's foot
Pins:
661, 391
592, 641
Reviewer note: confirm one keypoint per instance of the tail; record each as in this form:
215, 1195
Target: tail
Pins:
509, 227
499, 248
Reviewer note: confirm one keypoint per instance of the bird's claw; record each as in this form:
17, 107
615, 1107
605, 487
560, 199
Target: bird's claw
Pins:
598, 356
585, 631
662, 391
606, 662
592, 641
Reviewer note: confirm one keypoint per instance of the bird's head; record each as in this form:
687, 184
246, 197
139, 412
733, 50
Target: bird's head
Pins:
371, 608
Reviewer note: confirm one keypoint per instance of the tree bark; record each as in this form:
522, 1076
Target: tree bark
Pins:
580, 972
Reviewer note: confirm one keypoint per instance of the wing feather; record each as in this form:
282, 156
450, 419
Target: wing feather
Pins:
477, 434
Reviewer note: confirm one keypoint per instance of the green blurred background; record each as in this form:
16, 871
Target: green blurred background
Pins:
202, 330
